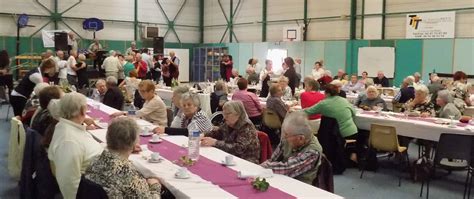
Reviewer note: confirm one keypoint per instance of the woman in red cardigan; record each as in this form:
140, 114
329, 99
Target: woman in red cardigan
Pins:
311, 95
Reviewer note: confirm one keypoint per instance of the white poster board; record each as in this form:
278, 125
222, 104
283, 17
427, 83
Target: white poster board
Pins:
430, 25
374, 59
183, 55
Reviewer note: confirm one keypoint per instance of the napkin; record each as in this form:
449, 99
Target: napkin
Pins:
264, 173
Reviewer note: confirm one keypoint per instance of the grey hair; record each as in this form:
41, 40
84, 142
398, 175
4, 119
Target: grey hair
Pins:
179, 90
111, 80
423, 89
40, 87
53, 108
336, 83
373, 89
99, 81
283, 79
297, 123
410, 79
236, 107
122, 134
220, 86
191, 96
72, 105
369, 82
417, 74
445, 96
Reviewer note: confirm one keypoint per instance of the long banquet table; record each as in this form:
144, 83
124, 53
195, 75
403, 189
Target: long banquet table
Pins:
208, 179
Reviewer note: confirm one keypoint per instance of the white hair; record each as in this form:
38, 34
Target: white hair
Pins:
100, 81
111, 80
297, 123
410, 79
191, 96
445, 96
336, 83
417, 74
423, 89
72, 105
53, 108
40, 87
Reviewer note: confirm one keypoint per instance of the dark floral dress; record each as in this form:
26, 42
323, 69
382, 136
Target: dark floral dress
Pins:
119, 178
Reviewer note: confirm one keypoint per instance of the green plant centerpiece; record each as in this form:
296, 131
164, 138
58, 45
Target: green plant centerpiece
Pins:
260, 184
186, 161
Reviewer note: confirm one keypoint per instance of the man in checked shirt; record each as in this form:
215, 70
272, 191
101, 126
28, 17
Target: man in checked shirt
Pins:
298, 154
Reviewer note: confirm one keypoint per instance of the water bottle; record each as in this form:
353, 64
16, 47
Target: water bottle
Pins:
193, 142
132, 110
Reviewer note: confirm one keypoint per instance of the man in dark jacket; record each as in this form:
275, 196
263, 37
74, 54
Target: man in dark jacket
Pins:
381, 80
113, 97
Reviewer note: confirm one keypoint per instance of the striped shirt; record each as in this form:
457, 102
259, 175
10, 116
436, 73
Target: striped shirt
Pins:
200, 119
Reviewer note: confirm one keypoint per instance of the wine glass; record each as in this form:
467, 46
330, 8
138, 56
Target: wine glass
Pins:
451, 123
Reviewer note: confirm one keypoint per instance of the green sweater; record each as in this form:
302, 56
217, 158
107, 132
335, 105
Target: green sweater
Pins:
127, 68
338, 108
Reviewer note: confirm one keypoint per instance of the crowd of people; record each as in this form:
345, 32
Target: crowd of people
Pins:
61, 118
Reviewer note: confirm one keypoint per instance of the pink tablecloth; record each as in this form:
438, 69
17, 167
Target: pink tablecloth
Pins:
214, 172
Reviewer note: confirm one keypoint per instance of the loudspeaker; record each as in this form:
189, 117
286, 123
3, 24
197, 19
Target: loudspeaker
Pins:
60, 41
158, 45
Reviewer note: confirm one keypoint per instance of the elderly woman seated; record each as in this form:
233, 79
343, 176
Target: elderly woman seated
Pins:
274, 102
371, 100
311, 95
298, 154
154, 109
43, 117
72, 148
190, 113
114, 172
219, 96
447, 107
237, 135
421, 102
283, 82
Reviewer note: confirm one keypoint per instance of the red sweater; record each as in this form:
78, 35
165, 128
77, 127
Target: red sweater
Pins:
309, 99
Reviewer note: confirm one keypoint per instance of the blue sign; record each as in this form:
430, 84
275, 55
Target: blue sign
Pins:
23, 20
93, 24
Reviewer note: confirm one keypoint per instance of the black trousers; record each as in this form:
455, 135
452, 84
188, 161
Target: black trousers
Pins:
18, 104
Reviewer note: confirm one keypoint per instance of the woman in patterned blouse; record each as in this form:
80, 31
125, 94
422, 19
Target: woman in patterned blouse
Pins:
421, 102
237, 135
114, 172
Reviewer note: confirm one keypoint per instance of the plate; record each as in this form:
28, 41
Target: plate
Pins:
226, 164
158, 141
155, 161
146, 135
182, 177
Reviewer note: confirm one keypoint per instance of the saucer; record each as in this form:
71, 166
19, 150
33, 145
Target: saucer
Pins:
146, 135
186, 176
227, 164
158, 141
155, 161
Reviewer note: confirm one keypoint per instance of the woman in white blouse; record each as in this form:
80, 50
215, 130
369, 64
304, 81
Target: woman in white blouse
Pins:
318, 70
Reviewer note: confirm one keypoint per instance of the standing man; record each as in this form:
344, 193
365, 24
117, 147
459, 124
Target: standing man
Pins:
298, 69
133, 48
175, 60
93, 49
111, 65
146, 57
381, 80
61, 67
72, 42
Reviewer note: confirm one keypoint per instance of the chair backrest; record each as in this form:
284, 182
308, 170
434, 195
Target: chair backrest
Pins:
324, 177
169, 114
454, 146
265, 146
271, 119
214, 102
16, 147
90, 190
383, 138
217, 118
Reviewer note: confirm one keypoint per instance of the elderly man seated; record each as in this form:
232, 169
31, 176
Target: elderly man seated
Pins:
114, 96
99, 92
298, 154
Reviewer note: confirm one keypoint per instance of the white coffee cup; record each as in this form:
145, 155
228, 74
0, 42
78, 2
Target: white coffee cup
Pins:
182, 172
146, 131
155, 138
155, 156
229, 159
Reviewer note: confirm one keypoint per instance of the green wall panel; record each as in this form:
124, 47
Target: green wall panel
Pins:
408, 59
313, 51
245, 53
464, 56
437, 55
352, 53
382, 43
335, 55
234, 52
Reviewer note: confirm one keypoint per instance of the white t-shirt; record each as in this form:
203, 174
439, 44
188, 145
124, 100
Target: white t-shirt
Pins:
62, 68
71, 61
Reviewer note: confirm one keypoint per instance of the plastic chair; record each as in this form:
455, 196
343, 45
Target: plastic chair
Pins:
16, 147
271, 119
451, 147
265, 146
169, 114
324, 178
384, 138
217, 118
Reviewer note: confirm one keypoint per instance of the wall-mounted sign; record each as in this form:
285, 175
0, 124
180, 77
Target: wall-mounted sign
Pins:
430, 25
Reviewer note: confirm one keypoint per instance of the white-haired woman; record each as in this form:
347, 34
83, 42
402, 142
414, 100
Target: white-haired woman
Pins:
298, 154
371, 100
114, 172
407, 91
237, 135
421, 102
283, 82
72, 148
447, 108
191, 113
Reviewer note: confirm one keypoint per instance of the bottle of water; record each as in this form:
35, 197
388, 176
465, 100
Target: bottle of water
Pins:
193, 142
132, 110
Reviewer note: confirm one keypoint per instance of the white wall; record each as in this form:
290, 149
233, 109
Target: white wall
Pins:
148, 12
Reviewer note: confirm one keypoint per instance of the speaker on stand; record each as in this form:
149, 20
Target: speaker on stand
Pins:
60, 41
158, 45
